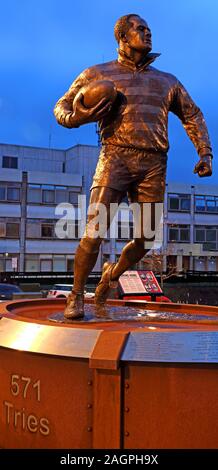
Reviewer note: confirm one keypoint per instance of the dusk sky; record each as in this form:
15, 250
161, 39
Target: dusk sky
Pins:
45, 44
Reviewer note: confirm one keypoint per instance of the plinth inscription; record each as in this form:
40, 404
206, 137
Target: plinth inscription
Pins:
172, 347
18, 418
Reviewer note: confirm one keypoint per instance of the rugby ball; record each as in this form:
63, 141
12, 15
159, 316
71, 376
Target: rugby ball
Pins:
95, 91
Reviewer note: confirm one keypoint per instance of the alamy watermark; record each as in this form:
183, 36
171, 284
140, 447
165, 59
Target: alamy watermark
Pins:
123, 221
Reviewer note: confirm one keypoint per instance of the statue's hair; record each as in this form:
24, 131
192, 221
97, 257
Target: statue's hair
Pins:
122, 26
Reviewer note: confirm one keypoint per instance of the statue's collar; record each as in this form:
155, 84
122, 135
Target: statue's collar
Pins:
124, 59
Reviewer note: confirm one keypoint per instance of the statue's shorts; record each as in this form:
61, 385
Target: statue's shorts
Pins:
140, 174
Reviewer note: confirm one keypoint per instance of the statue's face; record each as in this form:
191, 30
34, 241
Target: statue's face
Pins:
138, 36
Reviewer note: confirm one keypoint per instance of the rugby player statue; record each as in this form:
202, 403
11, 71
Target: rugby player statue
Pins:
131, 100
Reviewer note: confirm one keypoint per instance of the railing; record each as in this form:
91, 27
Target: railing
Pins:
48, 277
45, 277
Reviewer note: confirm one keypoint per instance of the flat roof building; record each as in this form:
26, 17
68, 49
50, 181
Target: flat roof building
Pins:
34, 181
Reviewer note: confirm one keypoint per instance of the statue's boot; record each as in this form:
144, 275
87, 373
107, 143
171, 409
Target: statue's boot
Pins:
131, 254
83, 264
103, 288
75, 306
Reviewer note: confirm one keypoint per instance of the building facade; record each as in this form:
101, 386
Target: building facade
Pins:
39, 186
191, 226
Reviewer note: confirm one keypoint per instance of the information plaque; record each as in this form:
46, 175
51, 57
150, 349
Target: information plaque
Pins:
199, 346
139, 282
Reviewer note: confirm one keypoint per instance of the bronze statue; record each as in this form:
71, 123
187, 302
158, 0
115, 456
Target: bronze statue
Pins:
134, 137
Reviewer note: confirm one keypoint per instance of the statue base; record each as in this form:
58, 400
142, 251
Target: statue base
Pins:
97, 382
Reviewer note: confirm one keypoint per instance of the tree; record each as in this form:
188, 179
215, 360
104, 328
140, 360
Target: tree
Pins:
154, 261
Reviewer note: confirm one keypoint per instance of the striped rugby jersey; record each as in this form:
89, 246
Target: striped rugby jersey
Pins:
139, 117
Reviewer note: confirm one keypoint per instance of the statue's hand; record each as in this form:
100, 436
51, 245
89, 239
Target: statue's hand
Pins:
204, 166
83, 115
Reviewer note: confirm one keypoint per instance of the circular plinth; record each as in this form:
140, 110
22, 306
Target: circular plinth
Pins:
130, 314
126, 315
98, 381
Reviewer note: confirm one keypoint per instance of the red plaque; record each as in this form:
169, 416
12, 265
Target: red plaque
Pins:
139, 282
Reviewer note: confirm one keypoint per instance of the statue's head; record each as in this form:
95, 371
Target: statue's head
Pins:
133, 31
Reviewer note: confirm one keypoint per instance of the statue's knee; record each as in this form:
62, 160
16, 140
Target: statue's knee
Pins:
140, 244
90, 245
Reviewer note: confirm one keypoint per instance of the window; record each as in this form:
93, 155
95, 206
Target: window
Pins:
46, 265
70, 263
73, 197
179, 202
48, 196
211, 235
185, 204
59, 263
48, 193
200, 204
2, 265
179, 233
212, 263
211, 205
41, 228
199, 263
9, 162
32, 263
125, 230
2, 229
105, 258
10, 192
77, 229
184, 234
34, 193
208, 236
8, 264
12, 230
47, 231
199, 235
2, 193
73, 229
206, 204
210, 246
33, 228
173, 234
61, 194
13, 194
9, 227
173, 202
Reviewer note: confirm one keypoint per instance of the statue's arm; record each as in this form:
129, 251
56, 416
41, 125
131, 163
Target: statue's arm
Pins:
63, 109
70, 111
194, 123
192, 119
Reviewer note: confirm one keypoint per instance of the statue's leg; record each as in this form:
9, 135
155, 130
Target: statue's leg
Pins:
88, 249
149, 188
144, 230
131, 254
